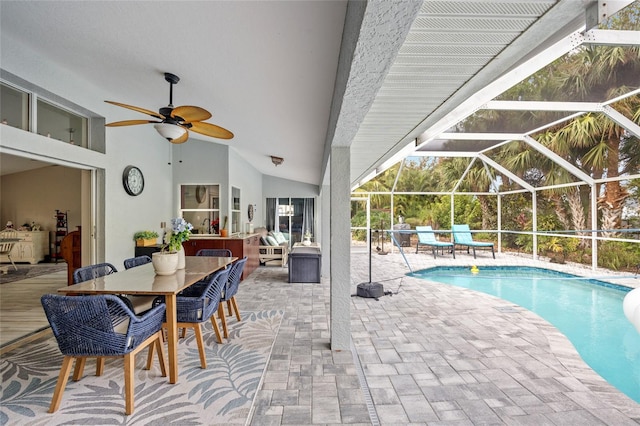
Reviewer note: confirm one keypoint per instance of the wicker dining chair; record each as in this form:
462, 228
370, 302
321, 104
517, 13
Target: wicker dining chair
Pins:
92, 272
138, 304
214, 252
229, 294
101, 326
198, 304
136, 261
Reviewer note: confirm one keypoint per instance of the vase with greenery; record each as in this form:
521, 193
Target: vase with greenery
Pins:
180, 232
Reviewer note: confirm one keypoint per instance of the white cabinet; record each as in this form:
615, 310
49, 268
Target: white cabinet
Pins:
32, 247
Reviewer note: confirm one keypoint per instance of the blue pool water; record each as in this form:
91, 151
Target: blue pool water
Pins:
588, 312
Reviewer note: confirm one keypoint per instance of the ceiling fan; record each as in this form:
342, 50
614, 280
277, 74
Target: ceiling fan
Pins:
175, 121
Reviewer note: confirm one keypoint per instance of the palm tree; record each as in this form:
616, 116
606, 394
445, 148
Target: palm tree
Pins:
601, 72
476, 180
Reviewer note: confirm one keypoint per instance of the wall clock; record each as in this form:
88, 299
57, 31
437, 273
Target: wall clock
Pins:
132, 180
250, 212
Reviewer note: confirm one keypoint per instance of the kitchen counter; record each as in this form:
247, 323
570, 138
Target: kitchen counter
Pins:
241, 245
240, 236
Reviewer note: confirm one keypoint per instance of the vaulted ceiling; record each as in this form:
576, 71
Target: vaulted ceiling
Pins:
292, 79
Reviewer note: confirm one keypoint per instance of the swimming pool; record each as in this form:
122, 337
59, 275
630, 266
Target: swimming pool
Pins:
588, 312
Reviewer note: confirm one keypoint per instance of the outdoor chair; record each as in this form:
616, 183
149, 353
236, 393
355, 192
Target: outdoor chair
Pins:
92, 272
426, 237
136, 261
229, 294
197, 304
462, 237
137, 304
101, 326
7, 246
215, 252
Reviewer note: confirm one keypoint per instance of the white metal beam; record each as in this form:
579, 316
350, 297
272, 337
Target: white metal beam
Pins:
599, 11
622, 121
612, 37
462, 154
481, 136
543, 106
502, 83
506, 172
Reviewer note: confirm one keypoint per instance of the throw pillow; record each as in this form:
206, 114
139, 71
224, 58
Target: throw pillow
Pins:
279, 237
272, 241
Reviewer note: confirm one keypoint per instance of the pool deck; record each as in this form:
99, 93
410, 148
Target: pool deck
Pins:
428, 354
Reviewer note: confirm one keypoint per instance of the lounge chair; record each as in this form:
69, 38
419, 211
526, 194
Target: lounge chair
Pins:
426, 237
462, 237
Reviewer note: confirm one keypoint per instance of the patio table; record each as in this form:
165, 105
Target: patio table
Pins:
142, 280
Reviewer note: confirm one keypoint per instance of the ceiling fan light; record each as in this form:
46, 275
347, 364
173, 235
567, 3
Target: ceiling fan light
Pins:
169, 131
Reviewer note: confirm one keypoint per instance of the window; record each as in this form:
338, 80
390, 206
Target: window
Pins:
52, 120
200, 206
294, 216
60, 124
14, 105
235, 210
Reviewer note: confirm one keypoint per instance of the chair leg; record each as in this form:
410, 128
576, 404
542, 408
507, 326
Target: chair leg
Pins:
150, 354
128, 382
11, 260
214, 324
62, 383
493, 252
235, 308
161, 359
474, 252
99, 366
229, 307
200, 341
223, 320
79, 369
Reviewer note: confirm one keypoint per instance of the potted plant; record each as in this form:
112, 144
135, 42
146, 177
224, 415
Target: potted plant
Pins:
223, 230
145, 238
171, 257
180, 232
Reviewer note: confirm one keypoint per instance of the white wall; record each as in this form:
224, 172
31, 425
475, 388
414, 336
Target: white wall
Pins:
35, 195
141, 146
244, 176
273, 187
136, 145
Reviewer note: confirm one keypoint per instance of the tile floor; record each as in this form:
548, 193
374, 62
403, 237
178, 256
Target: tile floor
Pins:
429, 354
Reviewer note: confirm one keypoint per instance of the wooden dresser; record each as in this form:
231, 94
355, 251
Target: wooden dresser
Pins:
240, 246
32, 247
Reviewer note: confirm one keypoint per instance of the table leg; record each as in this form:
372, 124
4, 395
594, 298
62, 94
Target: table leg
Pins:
172, 337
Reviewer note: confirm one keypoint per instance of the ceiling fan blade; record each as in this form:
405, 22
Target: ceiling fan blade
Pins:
181, 139
135, 108
190, 114
130, 123
211, 130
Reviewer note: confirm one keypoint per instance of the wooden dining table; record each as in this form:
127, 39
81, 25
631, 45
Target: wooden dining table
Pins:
142, 280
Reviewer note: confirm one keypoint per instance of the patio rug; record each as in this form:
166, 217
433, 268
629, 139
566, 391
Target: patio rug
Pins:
29, 271
221, 394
